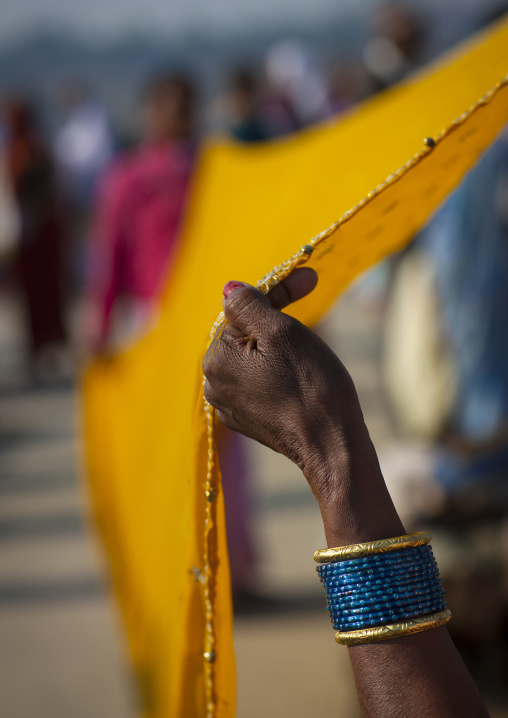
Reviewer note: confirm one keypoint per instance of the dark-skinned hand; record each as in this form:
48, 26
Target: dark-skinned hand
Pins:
274, 380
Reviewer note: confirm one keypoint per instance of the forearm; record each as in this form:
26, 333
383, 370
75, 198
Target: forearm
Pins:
418, 676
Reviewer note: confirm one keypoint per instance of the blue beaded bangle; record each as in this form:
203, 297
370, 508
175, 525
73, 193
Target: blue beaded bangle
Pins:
406, 608
383, 588
397, 599
373, 583
388, 584
362, 607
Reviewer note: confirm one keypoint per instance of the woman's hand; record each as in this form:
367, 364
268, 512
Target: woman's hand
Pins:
273, 379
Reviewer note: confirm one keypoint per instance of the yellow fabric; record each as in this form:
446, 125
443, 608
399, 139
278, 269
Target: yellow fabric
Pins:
253, 207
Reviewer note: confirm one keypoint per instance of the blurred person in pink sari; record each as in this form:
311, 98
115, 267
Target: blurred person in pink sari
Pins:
140, 205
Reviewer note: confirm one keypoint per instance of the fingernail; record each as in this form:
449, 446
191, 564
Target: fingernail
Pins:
229, 286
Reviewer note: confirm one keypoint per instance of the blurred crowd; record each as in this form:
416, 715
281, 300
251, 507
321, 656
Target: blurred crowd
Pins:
73, 229
89, 229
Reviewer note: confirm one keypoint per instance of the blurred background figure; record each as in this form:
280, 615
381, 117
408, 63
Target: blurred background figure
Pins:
40, 251
467, 244
82, 147
296, 92
290, 94
350, 83
139, 209
397, 45
241, 107
10, 224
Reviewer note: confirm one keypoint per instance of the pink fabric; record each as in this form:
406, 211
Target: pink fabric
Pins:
238, 502
139, 205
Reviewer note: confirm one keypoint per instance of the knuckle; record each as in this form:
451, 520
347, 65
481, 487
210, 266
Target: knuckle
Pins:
208, 366
210, 394
279, 328
213, 361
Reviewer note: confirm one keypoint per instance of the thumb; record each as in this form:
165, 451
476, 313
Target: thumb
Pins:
248, 310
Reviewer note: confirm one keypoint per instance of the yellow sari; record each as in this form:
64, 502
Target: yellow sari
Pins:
370, 178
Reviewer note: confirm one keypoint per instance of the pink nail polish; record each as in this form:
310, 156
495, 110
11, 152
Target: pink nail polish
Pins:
230, 286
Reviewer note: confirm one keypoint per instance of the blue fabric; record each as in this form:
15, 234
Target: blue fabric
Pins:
467, 243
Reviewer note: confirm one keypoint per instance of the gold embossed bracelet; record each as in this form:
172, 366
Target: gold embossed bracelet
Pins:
382, 589
394, 630
357, 550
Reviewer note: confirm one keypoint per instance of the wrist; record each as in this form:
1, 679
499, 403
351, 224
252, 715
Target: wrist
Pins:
352, 495
353, 522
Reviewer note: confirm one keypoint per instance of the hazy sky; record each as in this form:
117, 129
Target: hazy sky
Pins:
106, 18
101, 18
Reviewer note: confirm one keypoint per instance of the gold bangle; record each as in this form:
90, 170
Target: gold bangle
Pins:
357, 550
394, 630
